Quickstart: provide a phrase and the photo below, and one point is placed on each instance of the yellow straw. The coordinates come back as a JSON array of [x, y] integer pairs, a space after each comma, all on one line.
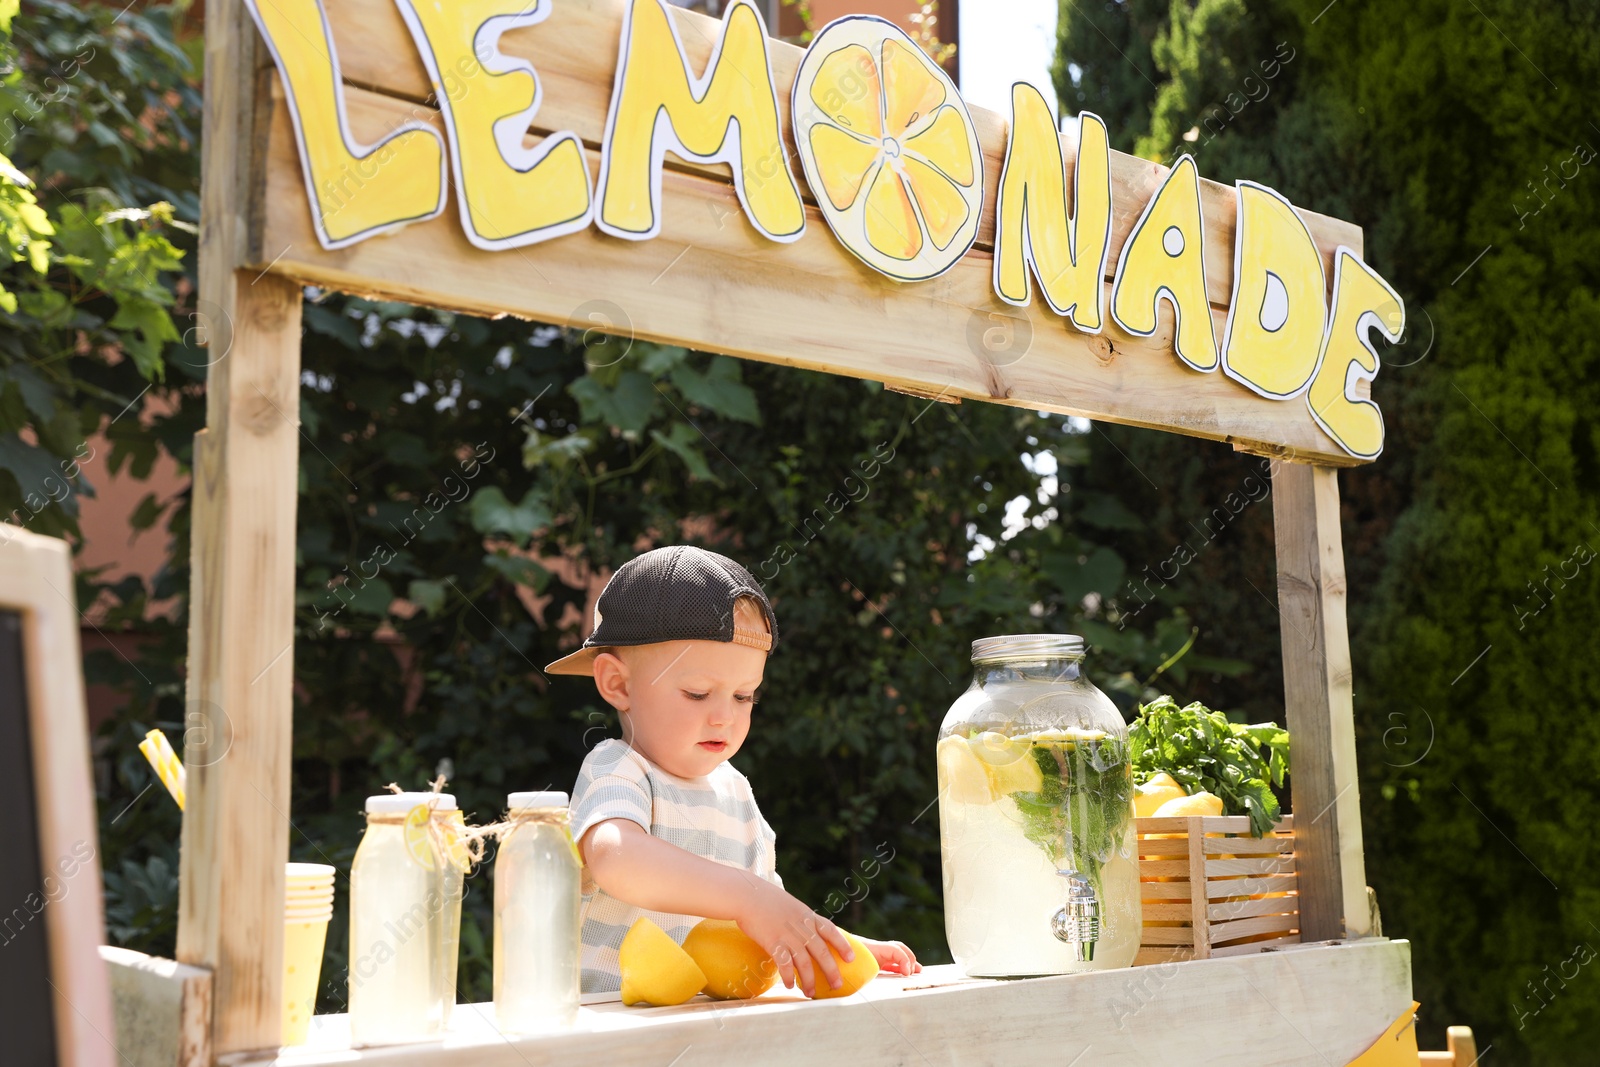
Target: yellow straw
[[165, 762]]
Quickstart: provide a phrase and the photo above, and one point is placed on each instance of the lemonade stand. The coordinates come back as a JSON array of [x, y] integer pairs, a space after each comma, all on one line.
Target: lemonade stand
[[629, 166]]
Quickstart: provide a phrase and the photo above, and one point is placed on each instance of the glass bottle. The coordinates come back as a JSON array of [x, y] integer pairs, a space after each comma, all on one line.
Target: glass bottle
[[537, 899], [1036, 816], [405, 918]]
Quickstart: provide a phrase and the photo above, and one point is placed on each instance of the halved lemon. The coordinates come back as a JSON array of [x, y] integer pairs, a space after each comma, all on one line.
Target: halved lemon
[[888, 148]]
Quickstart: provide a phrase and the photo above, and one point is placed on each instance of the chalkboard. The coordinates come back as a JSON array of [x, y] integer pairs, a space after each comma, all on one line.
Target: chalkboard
[[27, 1025]]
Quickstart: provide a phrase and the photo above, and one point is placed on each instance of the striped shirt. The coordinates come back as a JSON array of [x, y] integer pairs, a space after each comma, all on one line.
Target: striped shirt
[[714, 816]]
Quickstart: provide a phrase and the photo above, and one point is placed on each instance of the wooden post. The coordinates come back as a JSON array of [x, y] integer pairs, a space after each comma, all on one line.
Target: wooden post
[[241, 628], [1317, 703]]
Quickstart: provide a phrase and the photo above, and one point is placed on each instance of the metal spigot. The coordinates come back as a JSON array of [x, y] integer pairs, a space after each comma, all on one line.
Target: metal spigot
[[1078, 923]]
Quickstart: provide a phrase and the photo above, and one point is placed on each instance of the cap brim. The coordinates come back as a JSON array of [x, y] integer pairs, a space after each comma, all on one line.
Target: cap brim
[[580, 663]]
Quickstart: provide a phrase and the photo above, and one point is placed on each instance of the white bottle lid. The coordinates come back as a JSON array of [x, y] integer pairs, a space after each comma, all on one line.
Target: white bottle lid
[[542, 799], [400, 803]]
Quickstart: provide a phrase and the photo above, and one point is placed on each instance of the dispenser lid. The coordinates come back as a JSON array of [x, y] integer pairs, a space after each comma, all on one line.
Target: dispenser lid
[[540, 799], [400, 803]]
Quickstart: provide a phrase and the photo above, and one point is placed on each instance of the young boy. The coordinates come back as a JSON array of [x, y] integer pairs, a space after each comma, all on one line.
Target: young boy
[[666, 827]]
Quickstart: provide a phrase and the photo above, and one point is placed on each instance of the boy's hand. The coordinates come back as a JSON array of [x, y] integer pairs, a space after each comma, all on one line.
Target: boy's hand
[[796, 937], [893, 957]]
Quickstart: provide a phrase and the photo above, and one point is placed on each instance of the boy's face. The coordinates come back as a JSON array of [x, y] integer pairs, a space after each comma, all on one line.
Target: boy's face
[[686, 704]]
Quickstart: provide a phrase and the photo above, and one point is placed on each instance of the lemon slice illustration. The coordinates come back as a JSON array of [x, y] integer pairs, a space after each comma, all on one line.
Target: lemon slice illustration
[[888, 148], [420, 840]]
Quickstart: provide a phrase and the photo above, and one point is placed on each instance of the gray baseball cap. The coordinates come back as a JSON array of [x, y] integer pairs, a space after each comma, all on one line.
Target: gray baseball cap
[[677, 593]]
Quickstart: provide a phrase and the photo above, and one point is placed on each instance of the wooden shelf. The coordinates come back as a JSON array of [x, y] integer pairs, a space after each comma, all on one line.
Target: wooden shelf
[[1311, 1004]]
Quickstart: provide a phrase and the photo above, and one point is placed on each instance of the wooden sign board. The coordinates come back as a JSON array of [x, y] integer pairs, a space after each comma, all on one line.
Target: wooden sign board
[[55, 1006], [728, 264]]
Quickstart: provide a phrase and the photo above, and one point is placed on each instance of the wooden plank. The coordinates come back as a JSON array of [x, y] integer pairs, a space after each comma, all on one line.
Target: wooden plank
[[1157, 912], [1255, 948], [1179, 868], [575, 52], [1252, 865], [1308, 1008], [1164, 890], [1167, 935], [241, 663], [241, 636], [1156, 848], [1244, 887], [1241, 846], [1201, 932], [1150, 954], [1261, 924], [1241, 909], [1189, 825], [711, 282], [1317, 702], [36, 582], [163, 1009]]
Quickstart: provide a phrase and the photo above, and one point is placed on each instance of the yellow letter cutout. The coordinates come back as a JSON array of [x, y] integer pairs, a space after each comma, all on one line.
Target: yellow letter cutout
[[1279, 311], [1164, 259], [1361, 301], [1033, 229], [356, 191], [656, 106], [510, 194]]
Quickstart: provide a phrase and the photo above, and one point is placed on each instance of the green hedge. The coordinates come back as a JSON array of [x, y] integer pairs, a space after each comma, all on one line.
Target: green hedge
[[1431, 124]]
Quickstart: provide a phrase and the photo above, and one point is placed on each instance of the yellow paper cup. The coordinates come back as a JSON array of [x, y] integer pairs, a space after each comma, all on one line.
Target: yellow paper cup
[[308, 872], [315, 896], [303, 940]]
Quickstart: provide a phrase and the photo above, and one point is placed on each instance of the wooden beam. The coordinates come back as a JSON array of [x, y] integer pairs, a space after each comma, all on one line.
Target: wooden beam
[[163, 1009], [241, 631], [1301, 1007], [1317, 703]]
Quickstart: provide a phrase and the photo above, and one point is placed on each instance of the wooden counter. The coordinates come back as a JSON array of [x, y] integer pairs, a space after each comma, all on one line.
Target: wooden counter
[[1314, 1004]]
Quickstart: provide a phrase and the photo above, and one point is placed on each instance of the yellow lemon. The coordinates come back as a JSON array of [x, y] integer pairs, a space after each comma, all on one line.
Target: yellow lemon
[[888, 148], [1165, 781], [1009, 762], [1148, 798], [655, 970], [962, 779], [1019, 776], [1201, 803], [735, 966], [857, 973]]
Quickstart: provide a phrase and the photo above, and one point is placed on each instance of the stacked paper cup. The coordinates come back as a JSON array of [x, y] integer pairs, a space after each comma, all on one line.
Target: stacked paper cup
[[308, 905]]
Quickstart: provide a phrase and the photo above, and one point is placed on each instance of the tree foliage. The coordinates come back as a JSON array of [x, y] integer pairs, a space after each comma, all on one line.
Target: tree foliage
[[1458, 137]]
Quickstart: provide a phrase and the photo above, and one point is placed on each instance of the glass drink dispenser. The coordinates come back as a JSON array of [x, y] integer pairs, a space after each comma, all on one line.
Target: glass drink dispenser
[[1036, 815]]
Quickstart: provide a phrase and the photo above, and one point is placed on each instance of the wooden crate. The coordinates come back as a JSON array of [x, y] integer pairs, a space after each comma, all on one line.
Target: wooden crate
[[1251, 898]]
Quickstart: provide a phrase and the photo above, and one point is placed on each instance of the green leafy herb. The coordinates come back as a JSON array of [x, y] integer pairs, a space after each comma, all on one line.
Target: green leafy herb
[[1082, 807], [1203, 750]]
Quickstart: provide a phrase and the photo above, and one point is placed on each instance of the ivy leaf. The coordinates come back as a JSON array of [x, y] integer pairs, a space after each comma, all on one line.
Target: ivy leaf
[[31, 467], [518, 570], [145, 515], [626, 406], [372, 596], [153, 326], [719, 389], [681, 442], [1106, 512], [493, 514], [1100, 571], [427, 594]]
